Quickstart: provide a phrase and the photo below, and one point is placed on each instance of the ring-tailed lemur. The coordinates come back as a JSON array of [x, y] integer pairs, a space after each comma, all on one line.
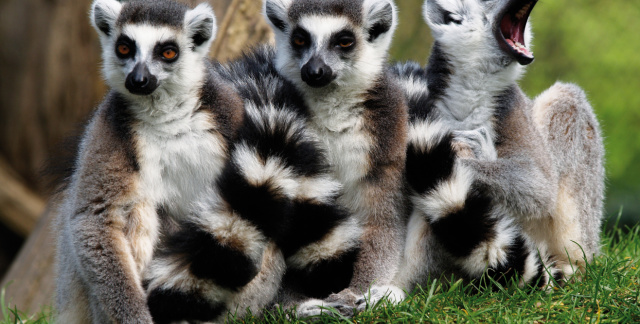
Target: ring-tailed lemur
[[156, 142], [492, 171], [277, 181], [334, 52]]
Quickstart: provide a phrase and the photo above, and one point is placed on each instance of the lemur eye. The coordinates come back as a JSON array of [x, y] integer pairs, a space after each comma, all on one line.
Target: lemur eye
[[450, 17], [169, 54], [123, 49], [346, 43], [299, 41]]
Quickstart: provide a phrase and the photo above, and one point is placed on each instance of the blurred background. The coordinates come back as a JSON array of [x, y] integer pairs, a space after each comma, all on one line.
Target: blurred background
[[50, 81]]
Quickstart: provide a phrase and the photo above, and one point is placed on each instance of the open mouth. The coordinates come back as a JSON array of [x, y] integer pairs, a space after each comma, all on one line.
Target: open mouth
[[512, 28]]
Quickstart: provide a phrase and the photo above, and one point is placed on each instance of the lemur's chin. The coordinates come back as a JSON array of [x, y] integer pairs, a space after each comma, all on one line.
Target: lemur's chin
[[511, 30]]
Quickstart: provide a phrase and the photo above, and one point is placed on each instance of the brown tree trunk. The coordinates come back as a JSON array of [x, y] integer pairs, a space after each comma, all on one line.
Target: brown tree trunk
[[50, 81], [21, 208]]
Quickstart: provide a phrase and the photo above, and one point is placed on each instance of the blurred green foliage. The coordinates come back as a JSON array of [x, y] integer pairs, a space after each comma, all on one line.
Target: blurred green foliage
[[592, 43]]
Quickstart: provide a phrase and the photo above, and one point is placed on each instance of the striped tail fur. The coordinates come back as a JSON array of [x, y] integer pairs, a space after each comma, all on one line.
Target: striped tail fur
[[480, 235]]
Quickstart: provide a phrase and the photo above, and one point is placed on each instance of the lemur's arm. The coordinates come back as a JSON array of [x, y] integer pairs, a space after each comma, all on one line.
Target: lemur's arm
[[383, 230], [113, 230], [522, 176]]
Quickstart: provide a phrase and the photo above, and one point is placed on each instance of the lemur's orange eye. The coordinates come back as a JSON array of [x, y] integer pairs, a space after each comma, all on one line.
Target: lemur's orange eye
[[169, 54], [299, 41], [346, 43], [124, 49]]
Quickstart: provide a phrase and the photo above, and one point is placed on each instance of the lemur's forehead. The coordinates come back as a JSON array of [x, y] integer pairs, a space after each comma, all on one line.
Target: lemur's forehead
[[152, 12], [351, 9], [148, 36], [322, 27]]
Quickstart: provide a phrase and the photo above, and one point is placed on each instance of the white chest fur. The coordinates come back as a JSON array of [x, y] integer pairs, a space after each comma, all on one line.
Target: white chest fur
[[347, 143], [465, 108], [176, 166]]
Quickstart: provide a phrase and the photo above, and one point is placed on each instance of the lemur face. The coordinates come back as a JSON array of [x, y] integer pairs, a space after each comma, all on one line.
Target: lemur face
[[494, 29], [331, 42], [152, 48]]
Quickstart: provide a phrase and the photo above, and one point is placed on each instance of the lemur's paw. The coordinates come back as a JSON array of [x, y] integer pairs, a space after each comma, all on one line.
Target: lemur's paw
[[376, 294], [316, 307], [475, 143]]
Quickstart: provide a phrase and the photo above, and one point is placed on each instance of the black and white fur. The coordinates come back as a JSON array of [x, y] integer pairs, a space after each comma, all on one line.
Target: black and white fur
[[509, 173], [158, 140], [274, 210], [334, 53]]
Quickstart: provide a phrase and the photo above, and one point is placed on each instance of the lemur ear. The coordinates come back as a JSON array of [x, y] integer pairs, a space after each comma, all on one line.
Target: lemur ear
[[380, 17], [275, 11], [200, 24], [104, 14]]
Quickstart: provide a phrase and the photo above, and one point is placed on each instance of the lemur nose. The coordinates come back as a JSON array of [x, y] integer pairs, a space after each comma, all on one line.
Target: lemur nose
[[140, 81], [316, 73]]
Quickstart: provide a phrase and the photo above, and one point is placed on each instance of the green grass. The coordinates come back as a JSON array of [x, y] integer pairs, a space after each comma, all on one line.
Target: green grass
[[11, 315], [609, 293]]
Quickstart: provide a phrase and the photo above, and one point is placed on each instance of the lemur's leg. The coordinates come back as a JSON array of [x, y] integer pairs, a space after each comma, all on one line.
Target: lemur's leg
[[104, 251], [568, 124], [72, 296], [478, 233]]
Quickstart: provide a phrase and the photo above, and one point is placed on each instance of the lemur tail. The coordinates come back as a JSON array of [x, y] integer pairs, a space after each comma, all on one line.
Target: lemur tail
[[320, 239], [281, 169], [274, 189], [481, 236]]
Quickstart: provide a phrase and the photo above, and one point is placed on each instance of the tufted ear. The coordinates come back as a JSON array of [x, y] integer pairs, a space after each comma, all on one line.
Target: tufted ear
[[200, 24], [275, 11], [380, 17], [104, 14]]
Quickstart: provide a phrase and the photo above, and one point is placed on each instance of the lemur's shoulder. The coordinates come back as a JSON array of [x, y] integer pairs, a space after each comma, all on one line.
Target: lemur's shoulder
[[219, 98], [107, 158], [110, 133]]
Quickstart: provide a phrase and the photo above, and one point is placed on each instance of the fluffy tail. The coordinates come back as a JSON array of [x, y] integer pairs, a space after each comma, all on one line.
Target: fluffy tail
[[274, 190], [479, 234], [317, 236]]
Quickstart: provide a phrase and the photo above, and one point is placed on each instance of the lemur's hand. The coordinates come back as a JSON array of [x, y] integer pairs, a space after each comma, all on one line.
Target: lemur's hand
[[475, 144]]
